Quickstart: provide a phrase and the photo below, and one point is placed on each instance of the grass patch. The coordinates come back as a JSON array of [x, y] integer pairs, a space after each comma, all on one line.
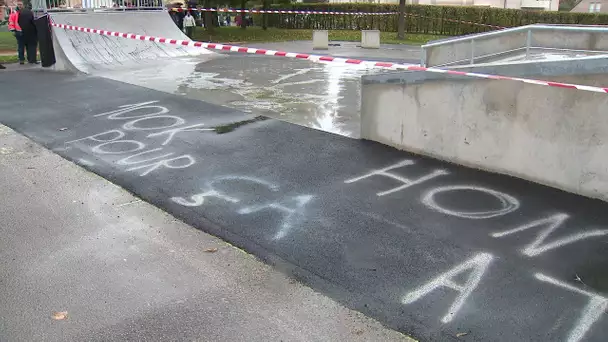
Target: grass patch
[[251, 35], [9, 59], [7, 42], [256, 34], [232, 126]]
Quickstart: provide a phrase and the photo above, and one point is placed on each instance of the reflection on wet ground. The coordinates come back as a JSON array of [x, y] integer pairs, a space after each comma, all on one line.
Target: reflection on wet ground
[[317, 95], [539, 54]]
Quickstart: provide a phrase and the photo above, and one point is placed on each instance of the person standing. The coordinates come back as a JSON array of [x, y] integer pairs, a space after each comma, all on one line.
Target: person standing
[[189, 24], [15, 28], [30, 35], [180, 17]]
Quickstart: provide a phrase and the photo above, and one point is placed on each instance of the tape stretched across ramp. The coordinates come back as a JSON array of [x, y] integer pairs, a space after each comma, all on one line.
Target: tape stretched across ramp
[[85, 52]]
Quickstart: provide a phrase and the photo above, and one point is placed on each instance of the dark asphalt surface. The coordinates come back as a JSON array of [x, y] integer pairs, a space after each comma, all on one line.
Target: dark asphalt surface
[[286, 194]]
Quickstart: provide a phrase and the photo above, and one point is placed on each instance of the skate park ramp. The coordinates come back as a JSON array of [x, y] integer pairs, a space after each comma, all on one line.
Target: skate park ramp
[[88, 53]]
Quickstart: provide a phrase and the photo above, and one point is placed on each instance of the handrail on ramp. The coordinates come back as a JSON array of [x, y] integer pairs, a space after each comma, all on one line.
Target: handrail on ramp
[[481, 46]]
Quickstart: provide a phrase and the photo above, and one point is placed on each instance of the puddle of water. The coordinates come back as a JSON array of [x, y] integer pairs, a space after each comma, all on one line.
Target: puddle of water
[[321, 96]]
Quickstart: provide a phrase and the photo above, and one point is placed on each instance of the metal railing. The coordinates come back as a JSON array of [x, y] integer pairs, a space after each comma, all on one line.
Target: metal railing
[[483, 46], [85, 5]]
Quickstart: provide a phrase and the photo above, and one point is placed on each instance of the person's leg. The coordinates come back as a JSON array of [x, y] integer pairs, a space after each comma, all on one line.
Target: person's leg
[[32, 49], [189, 31], [20, 46]]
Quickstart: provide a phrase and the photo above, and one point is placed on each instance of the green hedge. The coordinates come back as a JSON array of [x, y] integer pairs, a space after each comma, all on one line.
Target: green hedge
[[435, 23]]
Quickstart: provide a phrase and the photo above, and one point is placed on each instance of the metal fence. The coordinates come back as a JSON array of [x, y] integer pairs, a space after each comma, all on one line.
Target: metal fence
[[62, 5]]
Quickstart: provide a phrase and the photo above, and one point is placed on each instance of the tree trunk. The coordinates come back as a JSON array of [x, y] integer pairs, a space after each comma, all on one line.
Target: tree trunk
[[401, 28], [208, 18], [243, 22], [265, 15]]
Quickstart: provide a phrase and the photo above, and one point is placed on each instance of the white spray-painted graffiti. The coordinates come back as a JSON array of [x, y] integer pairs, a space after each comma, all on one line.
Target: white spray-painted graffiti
[[248, 196], [147, 117], [406, 182], [292, 208], [595, 309], [552, 222], [477, 265], [507, 203]]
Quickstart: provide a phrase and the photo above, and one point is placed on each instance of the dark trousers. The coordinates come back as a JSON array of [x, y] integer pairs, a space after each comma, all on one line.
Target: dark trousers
[[189, 31], [31, 46], [26, 42], [20, 45]]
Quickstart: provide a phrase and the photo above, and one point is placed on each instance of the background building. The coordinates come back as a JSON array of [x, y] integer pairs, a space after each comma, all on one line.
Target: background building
[[592, 6]]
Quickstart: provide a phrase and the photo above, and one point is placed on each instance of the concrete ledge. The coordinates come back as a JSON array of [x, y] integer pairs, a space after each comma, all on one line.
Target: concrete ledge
[[552, 136], [370, 39], [486, 46], [320, 40]]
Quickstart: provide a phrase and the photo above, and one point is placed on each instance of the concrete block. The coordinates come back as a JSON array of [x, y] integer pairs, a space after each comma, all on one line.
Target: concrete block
[[370, 39], [320, 39], [547, 135]]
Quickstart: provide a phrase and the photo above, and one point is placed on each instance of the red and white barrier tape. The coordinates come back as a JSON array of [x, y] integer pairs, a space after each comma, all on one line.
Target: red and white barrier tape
[[457, 21], [256, 11], [325, 59]]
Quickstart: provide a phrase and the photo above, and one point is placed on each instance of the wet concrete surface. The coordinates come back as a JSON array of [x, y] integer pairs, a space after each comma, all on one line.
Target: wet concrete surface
[[398, 53], [317, 95], [438, 251], [539, 54]]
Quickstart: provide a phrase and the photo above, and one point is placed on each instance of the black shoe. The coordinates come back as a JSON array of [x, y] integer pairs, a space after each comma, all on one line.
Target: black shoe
[[2, 67], [36, 62], [21, 62]]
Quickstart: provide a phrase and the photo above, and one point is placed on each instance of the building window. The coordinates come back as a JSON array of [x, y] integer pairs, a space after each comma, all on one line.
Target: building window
[[595, 7]]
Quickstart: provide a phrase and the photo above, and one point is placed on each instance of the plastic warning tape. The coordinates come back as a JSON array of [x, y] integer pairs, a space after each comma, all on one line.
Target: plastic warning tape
[[457, 21], [256, 11], [325, 59]]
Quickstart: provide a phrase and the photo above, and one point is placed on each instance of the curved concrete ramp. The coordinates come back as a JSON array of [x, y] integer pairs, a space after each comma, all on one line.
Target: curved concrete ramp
[[86, 52]]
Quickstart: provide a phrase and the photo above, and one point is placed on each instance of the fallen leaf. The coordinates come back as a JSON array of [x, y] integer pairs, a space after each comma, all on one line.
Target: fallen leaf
[[359, 332], [61, 315], [211, 250], [63, 129], [461, 334]]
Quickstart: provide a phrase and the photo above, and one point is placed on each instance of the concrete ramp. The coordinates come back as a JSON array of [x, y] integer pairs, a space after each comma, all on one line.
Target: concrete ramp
[[86, 52]]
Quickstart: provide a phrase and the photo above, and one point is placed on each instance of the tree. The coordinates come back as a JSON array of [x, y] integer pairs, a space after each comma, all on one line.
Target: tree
[[208, 16], [265, 15], [243, 22], [401, 28]]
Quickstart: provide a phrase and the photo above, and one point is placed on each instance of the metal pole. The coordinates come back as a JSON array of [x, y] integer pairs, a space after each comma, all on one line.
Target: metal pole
[[423, 57], [528, 43], [472, 51]]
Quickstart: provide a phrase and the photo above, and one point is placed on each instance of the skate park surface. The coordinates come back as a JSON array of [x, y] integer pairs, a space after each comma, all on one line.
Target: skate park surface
[[431, 249]]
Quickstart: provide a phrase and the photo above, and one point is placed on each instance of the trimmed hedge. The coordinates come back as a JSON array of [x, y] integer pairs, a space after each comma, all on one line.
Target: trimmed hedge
[[436, 21]]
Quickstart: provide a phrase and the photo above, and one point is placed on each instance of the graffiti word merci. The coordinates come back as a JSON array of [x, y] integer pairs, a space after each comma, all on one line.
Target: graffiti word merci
[[145, 117], [291, 208]]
